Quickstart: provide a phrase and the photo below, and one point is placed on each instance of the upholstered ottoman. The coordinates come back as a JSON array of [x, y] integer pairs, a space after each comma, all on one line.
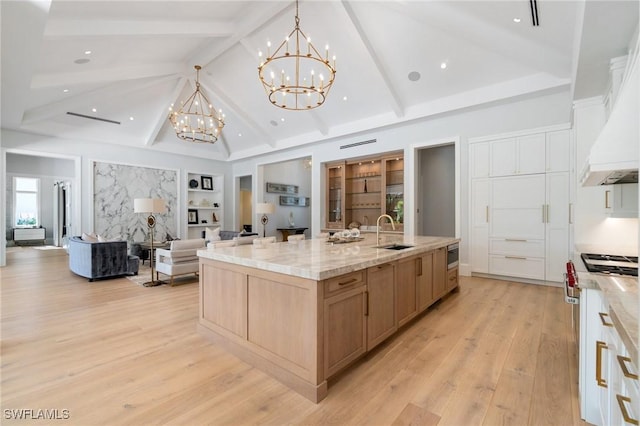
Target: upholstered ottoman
[[133, 263]]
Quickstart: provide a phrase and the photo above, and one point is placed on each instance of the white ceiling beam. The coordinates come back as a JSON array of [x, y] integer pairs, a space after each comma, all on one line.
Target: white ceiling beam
[[258, 17], [320, 124], [107, 75], [22, 26], [50, 110], [237, 110], [224, 148], [163, 113], [61, 28], [396, 104]]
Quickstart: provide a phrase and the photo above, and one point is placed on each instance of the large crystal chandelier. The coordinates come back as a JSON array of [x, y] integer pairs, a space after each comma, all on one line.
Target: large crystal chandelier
[[296, 76], [197, 120]]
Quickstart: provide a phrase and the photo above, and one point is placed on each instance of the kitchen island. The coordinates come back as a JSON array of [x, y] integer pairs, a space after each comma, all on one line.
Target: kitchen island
[[303, 311]]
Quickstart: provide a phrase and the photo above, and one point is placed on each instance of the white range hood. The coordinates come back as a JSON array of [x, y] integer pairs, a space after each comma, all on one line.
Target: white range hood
[[614, 155]]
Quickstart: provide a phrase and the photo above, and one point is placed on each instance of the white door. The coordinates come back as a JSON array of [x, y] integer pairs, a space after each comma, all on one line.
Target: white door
[[479, 159], [557, 151], [517, 206], [502, 157], [531, 154]]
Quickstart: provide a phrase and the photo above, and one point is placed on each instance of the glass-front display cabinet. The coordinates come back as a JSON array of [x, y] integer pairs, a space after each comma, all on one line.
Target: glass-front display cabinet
[[394, 189], [335, 195], [359, 190]]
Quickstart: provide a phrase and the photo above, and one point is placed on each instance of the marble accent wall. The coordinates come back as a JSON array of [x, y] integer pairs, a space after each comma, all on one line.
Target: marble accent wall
[[115, 186]]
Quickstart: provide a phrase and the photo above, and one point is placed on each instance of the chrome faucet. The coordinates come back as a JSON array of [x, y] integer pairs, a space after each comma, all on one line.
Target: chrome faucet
[[378, 226]]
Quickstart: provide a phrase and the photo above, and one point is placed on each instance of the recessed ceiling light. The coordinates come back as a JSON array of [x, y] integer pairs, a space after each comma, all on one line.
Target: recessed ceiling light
[[516, 20], [81, 61], [414, 76], [66, 90], [240, 134], [94, 110], [130, 118], [443, 65], [282, 119], [344, 98], [87, 52]]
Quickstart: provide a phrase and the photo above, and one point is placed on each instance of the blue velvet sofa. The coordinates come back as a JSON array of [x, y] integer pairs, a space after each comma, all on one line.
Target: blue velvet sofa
[[95, 260]]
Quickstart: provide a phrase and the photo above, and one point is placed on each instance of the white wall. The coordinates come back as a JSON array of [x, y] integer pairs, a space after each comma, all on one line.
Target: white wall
[[503, 117], [86, 152]]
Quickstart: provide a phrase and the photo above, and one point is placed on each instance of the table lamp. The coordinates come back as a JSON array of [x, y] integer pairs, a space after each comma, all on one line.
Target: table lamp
[[150, 206], [264, 209]]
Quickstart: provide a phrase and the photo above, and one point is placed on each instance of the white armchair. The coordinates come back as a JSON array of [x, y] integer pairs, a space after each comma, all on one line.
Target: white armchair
[[180, 259]]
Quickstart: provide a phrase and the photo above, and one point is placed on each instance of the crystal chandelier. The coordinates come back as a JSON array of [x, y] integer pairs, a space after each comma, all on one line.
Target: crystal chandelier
[[296, 76], [197, 120]]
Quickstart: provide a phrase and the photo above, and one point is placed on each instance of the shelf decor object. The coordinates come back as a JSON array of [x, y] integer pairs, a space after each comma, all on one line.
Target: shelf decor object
[[282, 188], [197, 120], [264, 209], [296, 76], [150, 206]]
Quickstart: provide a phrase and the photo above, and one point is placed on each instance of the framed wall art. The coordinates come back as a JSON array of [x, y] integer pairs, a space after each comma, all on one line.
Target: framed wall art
[[282, 188], [286, 200], [192, 217], [207, 183]]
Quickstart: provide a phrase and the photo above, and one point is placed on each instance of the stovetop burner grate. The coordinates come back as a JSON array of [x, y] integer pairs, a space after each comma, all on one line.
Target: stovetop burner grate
[[611, 264]]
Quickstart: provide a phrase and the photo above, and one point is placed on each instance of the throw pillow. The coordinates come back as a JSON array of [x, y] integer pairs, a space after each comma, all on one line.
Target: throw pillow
[[91, 238], [102, 239], [212, 234]]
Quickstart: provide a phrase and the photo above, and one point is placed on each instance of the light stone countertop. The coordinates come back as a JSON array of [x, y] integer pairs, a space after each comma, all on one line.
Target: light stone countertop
[[317, 259], [622, 295]]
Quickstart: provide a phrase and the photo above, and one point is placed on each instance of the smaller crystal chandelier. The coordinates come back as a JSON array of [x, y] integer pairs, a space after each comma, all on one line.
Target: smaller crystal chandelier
[[197, 120], [298, 78]]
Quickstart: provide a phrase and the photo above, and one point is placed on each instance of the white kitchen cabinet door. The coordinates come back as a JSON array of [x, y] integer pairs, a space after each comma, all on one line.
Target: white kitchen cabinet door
[[503, 157], [557, 225], [531, 154], [590, 334], [479, 159], [557, 151], [480, 225], [517, 207]]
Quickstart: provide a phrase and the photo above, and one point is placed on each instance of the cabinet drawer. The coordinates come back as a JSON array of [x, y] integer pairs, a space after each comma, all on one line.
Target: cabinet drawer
[[517, 247], [452, 278], [517, 266], [343, 282]]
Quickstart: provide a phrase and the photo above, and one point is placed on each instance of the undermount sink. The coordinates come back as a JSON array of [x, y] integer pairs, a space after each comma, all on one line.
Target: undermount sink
[[394, 247]]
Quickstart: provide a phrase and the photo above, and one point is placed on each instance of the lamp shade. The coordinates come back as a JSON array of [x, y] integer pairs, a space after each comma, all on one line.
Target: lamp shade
[[149, 205], [265, 208]]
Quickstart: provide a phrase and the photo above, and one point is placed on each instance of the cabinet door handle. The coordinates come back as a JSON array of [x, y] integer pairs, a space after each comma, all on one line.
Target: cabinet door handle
[[516, 257], [623, 409], [351, 281], [603, 320], [570, 213], [366, 303], [515, 240], [543, 214], [487, 214], [606, 199], [599, 347], [623, 360], [548, 220]]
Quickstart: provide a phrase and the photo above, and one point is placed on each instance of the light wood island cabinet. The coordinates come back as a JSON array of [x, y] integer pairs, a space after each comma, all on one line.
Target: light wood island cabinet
[[302, 327]]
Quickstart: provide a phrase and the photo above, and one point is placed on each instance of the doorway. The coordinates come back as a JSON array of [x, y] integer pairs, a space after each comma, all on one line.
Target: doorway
[[245, 206], [437, 191]]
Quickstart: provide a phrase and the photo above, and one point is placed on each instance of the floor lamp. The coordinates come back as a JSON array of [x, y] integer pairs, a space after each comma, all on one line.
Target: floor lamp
[[264, 209], [150, 206]]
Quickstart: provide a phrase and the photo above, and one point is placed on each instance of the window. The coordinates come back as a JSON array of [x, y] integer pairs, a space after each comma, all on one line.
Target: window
[[26, 197]]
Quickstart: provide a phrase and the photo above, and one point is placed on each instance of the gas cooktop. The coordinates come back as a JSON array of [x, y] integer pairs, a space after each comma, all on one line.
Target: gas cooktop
[[611, 264]]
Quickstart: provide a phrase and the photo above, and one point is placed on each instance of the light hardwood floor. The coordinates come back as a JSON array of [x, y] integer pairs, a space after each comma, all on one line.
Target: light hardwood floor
[[112, 352]]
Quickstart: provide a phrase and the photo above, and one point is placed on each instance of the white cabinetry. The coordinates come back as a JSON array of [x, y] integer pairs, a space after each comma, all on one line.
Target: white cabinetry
[[520, 222], [519, 155], [621, 200], [608, 379], [205, 195]]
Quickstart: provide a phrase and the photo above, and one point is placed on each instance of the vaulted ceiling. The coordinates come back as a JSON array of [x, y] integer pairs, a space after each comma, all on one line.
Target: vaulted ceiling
[[143, 54]]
